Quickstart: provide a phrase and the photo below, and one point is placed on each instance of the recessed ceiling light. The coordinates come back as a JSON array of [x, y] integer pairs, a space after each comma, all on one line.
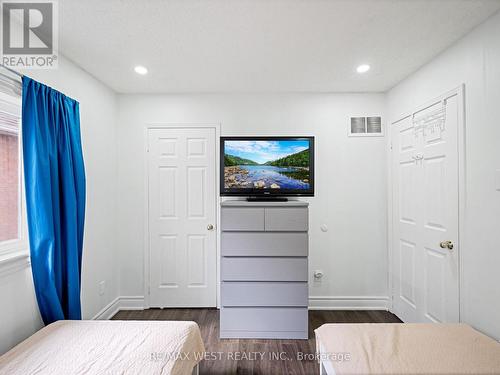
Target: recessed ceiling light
[[363, 68], [142, 70]]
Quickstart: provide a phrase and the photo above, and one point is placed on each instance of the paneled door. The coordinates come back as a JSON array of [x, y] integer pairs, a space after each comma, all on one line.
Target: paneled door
[[425, 256], [182, 217]]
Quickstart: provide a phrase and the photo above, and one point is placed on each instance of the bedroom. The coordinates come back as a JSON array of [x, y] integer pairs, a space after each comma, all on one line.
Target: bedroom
[[148, 71]]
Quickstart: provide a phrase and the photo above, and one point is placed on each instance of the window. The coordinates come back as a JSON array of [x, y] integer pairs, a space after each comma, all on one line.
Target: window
[[12, 218], [9, 183]]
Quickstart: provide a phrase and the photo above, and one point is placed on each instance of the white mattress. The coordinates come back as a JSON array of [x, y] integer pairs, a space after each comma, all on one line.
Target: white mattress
[[107, 347], [421, 349]]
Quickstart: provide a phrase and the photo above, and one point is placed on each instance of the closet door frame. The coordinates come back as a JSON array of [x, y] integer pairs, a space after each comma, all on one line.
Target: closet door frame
[[459, 92]]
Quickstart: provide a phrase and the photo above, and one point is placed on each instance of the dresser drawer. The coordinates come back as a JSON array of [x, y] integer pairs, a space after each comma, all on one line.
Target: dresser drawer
[[264, 269], [242, 219], [287, 219], [258, 294], [264, 244], [263, 322]]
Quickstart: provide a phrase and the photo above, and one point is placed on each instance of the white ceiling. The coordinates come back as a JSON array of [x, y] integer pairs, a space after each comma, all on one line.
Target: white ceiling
[[261, 45]]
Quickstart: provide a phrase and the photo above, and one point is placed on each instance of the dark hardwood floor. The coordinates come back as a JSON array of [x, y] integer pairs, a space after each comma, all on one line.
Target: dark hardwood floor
[[280, 356]]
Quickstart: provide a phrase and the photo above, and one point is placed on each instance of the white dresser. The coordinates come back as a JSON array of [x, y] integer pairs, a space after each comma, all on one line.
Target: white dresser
[[264, 270]]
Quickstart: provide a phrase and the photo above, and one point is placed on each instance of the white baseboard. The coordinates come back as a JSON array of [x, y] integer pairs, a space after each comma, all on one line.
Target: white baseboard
[[348, 303], [120, 303], [315, 303], [132, 303]]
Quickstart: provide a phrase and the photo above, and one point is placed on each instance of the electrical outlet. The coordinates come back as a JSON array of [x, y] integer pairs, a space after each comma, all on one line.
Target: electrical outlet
[[102, 287]]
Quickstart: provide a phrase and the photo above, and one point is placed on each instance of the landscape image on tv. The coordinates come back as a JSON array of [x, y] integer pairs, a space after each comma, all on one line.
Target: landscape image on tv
[[280, 164]]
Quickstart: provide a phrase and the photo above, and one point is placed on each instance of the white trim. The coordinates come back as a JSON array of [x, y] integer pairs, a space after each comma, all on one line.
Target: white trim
[[132, 303], [366, 135], [108, 311], [14, 262], [120, 303], [315, 303], [389, 218], [147, 127], [8, 130], [348, 303], [460, 93], [461, 195], [145, 250], [17, 245]]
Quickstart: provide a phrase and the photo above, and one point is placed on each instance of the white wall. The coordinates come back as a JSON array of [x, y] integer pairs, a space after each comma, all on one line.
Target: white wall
[[350, 185], [19, 315], [351, 181], [475, 61]]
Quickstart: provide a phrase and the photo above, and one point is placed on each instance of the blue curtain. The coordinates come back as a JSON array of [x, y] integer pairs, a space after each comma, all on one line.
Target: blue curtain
[[55, 198]]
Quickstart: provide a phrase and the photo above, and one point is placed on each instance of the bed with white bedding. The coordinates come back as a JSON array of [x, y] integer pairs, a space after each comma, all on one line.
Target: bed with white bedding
[[108, 347], [405, 349]]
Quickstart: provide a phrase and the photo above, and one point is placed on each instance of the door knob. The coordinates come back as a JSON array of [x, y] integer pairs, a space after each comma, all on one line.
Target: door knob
[[446, 245], [210, 227]]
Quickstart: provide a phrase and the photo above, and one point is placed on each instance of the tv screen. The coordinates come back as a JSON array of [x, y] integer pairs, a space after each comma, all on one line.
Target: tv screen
[[267, 166]]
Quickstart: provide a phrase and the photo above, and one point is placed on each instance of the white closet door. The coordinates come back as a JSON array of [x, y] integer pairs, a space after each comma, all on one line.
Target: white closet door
[[439, 169], [425, 203], [182, 217]]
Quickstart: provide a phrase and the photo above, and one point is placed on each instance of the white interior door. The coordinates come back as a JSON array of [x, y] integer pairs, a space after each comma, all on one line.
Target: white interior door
[[425, 214], [182, 217]]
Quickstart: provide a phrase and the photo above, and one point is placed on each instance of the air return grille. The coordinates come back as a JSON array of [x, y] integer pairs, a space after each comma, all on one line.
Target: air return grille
[[358, 125], [366, 126]]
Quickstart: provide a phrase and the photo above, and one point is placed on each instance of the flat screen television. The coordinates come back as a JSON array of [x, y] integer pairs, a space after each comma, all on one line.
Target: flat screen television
[[267, 166]]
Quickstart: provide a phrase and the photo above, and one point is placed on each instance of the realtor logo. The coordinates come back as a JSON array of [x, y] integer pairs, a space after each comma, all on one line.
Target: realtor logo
[[29, 34]]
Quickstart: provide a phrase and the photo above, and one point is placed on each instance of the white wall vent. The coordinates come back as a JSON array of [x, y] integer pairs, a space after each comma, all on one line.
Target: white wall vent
[[370, 126]]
